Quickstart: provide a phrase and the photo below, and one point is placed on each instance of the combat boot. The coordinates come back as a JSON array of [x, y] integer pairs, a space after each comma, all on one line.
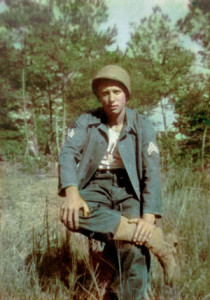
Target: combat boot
[[163, 250]]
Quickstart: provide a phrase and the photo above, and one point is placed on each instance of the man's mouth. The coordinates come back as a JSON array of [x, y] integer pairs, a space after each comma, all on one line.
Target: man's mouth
[[113, 106]]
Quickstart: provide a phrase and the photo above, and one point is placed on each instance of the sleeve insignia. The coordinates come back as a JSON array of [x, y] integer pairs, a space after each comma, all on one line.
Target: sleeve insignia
[[152, 148], [71, 133]]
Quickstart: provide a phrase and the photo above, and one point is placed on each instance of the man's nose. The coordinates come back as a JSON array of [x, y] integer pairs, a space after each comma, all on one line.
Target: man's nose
[[111, 97]]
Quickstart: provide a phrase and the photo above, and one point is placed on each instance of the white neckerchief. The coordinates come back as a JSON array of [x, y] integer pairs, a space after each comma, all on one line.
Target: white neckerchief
[[112, 158]]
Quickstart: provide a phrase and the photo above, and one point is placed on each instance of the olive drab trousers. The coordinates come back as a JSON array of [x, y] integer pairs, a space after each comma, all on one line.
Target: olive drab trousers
[[109, 195]]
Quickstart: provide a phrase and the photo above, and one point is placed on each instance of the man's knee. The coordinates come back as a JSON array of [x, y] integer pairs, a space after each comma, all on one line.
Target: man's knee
[[101, 223]]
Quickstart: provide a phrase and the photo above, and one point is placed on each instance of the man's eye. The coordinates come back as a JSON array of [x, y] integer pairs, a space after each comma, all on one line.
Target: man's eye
[[105, 94]]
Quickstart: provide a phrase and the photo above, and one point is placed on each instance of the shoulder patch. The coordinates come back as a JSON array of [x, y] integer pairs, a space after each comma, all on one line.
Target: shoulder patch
[[71, 133], [152, 148]]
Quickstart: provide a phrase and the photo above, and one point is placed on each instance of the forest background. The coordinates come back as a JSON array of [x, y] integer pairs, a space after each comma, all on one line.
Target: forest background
[[49, 51]]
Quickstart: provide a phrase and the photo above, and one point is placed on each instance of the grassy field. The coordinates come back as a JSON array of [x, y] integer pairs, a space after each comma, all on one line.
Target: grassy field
[[40, 260]]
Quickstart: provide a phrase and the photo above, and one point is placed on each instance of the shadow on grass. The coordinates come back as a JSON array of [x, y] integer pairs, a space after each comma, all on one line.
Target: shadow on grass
[[58, 264]]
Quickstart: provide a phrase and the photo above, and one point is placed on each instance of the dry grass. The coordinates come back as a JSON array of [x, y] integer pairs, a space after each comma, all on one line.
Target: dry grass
[[40, 260]]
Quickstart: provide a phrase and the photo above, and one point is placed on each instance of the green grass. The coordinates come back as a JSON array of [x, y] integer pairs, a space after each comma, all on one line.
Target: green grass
[[39, 259]]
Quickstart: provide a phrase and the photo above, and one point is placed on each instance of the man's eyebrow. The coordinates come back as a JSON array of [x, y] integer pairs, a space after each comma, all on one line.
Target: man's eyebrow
[[113, 89]]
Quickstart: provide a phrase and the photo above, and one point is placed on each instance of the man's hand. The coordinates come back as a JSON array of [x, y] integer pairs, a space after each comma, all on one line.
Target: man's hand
[[72, 204], [144, 229]]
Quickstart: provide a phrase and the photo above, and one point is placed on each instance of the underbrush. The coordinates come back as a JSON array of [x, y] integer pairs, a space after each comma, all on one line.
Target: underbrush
[[39, 259]]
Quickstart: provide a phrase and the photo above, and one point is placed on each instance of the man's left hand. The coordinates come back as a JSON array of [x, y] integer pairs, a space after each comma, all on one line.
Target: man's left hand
[[144, 229]]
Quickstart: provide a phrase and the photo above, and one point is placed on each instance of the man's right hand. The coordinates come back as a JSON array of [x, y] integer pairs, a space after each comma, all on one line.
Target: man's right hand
[[71, 206]]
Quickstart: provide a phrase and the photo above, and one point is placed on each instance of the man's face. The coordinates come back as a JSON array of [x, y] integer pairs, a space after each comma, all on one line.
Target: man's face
[[112, 97]]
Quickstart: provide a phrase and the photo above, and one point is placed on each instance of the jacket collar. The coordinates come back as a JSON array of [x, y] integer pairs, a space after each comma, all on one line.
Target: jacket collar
[[99, 119], [130, 119]]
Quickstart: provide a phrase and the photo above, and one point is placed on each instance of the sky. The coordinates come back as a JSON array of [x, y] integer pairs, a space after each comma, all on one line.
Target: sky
[[124, 12]]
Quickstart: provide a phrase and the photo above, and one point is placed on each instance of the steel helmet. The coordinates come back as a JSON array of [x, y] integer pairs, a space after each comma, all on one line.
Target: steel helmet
[[112, 72]]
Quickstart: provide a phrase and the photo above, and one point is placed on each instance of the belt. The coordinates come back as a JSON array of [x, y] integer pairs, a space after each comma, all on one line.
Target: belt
[[112, 171]]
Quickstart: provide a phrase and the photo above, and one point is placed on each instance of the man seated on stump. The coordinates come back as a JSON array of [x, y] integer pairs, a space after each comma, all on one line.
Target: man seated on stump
[[110, 177]]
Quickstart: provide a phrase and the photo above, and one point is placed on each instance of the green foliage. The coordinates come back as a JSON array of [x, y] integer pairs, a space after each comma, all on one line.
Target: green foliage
[[158, 61], [196, 25], [169, 151], [193, 118], [11, 145], [201, 4], [50, 48], [192, 102]]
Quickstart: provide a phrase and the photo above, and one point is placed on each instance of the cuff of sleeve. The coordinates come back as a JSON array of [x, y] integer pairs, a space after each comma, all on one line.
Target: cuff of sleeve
[[158, 214], [62, 189]]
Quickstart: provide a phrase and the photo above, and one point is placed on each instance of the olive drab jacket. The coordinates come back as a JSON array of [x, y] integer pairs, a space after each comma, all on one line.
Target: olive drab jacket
[[87, 142]]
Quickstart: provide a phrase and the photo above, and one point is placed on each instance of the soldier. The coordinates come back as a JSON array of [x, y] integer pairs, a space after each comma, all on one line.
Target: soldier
[[110, 177]]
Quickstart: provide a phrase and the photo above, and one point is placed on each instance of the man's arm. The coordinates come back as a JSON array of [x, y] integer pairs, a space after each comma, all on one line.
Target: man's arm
[[71, 153], [69, 158], [151, 186]]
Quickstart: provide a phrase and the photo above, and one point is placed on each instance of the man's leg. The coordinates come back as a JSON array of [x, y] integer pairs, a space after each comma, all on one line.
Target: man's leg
[[105, 214], [132, 279], [130, 266], [101, 224]]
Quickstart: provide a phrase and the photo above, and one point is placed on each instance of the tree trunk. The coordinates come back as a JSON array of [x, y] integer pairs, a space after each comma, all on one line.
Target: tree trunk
[[203, 147], [51, 4], [64, 119], [34, 130], [29, 124], [25, 112], [50, 112], [164, 117], [57, 133]]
